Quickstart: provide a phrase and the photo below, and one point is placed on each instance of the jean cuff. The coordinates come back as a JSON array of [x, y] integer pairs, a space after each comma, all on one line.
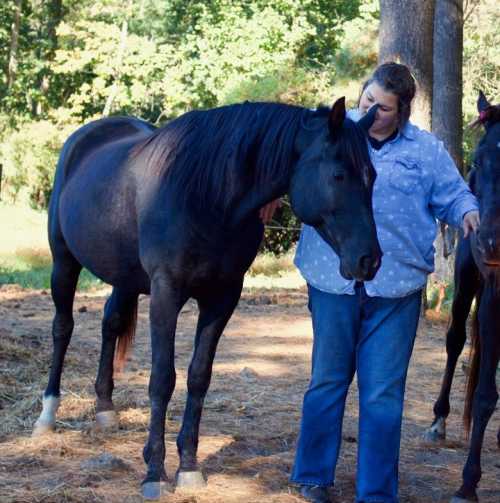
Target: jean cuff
[[310, 482]]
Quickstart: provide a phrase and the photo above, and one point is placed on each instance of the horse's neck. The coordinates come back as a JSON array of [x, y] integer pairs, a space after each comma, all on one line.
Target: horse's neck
[[255, 197]]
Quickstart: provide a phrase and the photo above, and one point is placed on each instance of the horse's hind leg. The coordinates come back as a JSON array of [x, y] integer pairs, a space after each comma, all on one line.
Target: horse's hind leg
[[64, 279], [466, 286], [120, 314], [214, 315]]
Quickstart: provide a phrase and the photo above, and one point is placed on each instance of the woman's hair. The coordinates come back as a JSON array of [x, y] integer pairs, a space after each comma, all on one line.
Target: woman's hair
[[397, 79]]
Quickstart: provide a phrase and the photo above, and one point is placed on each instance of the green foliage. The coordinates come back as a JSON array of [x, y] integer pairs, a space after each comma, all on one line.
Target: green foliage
[[159, 58], [481, 68], [282, 232], [29, 156]]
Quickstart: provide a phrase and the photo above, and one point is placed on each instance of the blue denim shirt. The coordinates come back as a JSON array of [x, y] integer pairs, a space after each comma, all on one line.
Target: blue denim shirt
[[417, 182]]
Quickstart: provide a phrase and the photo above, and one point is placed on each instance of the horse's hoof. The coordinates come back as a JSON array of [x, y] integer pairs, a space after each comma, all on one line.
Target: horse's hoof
[[190, 480], [42, 428], [107, 420], [154, 490], [433, 436], [457, 499], [437, 431]]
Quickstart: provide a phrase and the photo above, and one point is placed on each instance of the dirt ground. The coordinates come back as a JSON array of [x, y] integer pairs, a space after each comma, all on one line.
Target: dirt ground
[[250, 420]]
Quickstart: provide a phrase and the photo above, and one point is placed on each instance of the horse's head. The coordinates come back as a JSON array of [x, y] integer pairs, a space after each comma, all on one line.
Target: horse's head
[[485, 181], [331, 188]]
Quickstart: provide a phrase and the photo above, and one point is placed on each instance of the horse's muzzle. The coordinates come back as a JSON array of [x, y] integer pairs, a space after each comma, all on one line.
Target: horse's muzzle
[[365, 269]]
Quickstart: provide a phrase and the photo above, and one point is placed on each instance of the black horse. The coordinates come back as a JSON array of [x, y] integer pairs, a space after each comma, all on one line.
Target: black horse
[[174, 213], [477, 275]]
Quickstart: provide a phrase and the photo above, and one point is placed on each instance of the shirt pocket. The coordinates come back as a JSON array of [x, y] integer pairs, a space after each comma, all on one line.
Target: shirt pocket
[[405, 175]]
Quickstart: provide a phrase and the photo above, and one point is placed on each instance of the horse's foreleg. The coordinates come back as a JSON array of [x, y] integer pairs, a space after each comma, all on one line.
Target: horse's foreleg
[[485, 395], [64, 279], [166, 302], [119, 319], [466, 286], [214, 315]]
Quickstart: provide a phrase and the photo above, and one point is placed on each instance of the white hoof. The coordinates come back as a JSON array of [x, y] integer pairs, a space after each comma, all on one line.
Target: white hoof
[[41, 428], [46, 423], [190, 480], [437, 432], [107, 420], [153, 490]]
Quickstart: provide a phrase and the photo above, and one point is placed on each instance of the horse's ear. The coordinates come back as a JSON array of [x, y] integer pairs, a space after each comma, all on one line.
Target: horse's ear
[[482, 102], [368, 119], [336, 117]]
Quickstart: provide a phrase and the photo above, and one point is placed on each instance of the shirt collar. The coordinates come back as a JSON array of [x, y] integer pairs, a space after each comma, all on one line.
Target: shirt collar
[[409, 131]]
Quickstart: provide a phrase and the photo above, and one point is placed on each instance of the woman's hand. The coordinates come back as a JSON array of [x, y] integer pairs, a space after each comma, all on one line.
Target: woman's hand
[[266, 212], [470, 222]]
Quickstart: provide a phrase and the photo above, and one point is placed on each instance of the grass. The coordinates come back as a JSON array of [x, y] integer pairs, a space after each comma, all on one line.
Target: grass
[[270, 265], [25, 258], [21, 270]]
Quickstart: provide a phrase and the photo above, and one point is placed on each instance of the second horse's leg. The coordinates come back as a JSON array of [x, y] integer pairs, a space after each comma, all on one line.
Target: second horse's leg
[[485, 394], [215, 312], [466, 285], [120, 314]]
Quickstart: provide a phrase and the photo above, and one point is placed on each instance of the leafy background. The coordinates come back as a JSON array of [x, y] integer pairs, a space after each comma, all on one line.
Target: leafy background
[[156, 59]]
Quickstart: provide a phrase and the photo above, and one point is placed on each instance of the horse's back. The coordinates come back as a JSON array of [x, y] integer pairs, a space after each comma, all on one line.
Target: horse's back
[[92, 207]]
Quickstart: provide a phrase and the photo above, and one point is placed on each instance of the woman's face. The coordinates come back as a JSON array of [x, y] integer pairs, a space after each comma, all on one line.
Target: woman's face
[[387, 118]]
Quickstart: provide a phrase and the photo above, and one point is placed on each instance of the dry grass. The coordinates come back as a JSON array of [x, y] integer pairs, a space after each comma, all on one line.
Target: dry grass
[[250, 421]]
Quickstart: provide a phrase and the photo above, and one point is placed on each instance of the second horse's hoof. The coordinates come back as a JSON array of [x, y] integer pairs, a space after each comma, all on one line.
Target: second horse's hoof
[[437, 432], [190, 480], [154, 490], [433, 436]]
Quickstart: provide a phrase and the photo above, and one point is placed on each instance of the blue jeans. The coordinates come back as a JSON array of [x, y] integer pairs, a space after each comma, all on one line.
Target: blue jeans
[[374, 337]]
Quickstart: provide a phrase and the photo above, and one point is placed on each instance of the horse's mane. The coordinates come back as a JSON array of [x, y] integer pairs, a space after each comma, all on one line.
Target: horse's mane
[[212, 155]]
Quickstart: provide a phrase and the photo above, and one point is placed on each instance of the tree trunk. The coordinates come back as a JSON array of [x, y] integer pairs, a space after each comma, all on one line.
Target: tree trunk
[[14, 43], [447, 111], [406, 35], [447, 96]]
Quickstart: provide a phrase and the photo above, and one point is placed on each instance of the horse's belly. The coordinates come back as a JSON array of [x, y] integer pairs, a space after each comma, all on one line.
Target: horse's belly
[[99, 228]]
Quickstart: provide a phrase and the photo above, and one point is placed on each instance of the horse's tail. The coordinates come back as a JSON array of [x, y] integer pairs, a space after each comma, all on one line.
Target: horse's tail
[[474, 363], [126, 339]]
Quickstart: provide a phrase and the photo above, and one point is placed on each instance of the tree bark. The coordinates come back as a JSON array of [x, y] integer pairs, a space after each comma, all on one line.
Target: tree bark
[[447, 111], [14, 44], [406, 36], [447, 95]]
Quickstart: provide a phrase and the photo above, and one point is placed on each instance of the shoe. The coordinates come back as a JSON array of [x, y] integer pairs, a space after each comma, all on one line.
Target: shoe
[[315, 494]]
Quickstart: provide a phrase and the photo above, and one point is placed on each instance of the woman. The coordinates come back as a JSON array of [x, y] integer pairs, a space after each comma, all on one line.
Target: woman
[[370, 328]]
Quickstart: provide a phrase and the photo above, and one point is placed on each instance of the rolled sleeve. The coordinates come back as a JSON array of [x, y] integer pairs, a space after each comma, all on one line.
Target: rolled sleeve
[[450, 197]]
